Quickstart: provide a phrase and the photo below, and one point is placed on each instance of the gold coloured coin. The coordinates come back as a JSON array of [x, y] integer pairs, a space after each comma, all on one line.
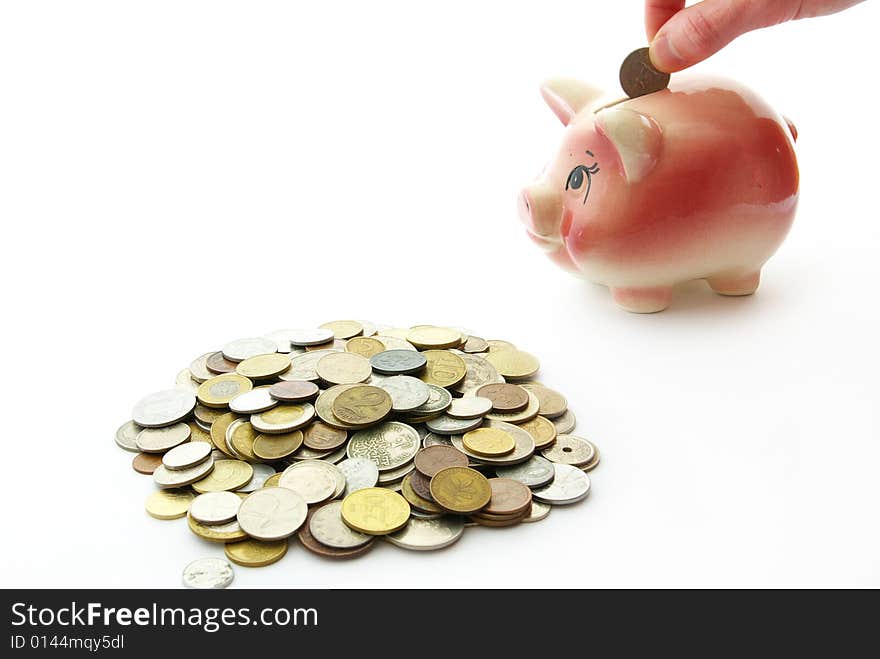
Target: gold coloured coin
[[263, 367], [218, 432], [552, 403], [461, 489], [527, 414], [344, 368], [513, 364], [272, 481], [542, 431], [429, 337], [256, 553], [364, 346], [229, 532], [416, 501], [375, 511], [240, 436], [228, 475], [491, 442], [169, 504], [196, 434], [496, 345], [344, 329], [444, 368], [219, 390], [362, 405], [283, 419], [275, 447]]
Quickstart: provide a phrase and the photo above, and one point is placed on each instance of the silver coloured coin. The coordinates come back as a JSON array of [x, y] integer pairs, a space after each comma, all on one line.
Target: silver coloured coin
[[335, 457], [369, 328], [407, 393], [539, 511], [208, 573], [159, 440], [204, 426], [475, 344], [198, 369], [215, 507], [184, 382], [436, 440], [395, 475], [126, 436], [261, 473], [421, 534], [570, 450], [359, 473], [282, 340], [439, 401], [446, 425], [390, 445], [314, 480], [241, 349], [166, 478], [524, 449], [327, 527], [163, 408], [252, 402], [302, 367], [187, 455], [569, 485], [272, 513], [473, 407], [306, 453], [398, 362], [270, 428], [479, 372], [418, 513], [396, 486], [565, 423], [310, 337], [395, 343], [534, 472]]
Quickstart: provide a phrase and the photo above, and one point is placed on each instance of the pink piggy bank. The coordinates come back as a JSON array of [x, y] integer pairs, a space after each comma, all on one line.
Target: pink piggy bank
[[698, 181]]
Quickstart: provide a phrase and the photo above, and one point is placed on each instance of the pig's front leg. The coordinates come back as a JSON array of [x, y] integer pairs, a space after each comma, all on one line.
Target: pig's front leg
[[643, 300]]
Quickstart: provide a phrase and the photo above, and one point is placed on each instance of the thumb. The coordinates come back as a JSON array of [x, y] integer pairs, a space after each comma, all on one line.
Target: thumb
[[703, 29]]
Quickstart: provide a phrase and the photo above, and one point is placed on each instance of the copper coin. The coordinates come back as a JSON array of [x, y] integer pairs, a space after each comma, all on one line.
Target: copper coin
[[294, 391], [509, 497], [217, 363], [435, 458], [638, 75], [146, 463], [421, 485], [505, 397], [308, 540], [321, 437]]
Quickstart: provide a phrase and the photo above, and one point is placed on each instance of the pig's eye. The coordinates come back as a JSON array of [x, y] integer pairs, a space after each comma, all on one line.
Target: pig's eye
[[578, 175]]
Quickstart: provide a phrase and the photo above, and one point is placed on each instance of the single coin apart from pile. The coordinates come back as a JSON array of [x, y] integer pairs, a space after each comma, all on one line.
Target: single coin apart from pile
[[349, 431]]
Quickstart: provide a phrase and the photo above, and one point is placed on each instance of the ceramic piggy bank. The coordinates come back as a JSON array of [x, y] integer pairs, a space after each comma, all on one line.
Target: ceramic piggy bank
[[698, 181]]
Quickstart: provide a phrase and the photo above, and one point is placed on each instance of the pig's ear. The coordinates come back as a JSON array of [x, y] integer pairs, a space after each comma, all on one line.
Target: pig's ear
[[566, 97], [637, 138]]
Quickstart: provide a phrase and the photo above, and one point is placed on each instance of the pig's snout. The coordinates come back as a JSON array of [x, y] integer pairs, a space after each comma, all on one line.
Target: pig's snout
[[540, 209]]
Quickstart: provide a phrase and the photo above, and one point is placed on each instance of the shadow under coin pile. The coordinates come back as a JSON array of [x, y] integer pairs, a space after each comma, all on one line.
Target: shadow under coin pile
[[351, 432]]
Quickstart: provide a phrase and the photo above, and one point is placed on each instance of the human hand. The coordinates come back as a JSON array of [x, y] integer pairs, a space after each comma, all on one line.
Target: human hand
[[680, 37]]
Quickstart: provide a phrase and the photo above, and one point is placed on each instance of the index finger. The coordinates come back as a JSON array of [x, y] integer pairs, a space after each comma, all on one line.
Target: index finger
[[657, 12]]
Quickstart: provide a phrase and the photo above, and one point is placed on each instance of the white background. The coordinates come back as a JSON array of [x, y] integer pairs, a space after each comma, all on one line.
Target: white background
[[174, 175]]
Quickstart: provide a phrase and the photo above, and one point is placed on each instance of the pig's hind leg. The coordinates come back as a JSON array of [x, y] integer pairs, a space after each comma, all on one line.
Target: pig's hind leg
[[643, 300], [739, 283]]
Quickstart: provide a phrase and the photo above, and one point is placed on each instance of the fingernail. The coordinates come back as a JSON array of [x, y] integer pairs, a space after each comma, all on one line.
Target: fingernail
[[664, 54]]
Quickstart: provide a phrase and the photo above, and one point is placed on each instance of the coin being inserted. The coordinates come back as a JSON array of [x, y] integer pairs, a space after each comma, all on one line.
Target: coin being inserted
[[639, 76]]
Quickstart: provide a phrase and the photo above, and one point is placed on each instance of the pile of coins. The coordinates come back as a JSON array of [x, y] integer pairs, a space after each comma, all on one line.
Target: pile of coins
[[350, 432]]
